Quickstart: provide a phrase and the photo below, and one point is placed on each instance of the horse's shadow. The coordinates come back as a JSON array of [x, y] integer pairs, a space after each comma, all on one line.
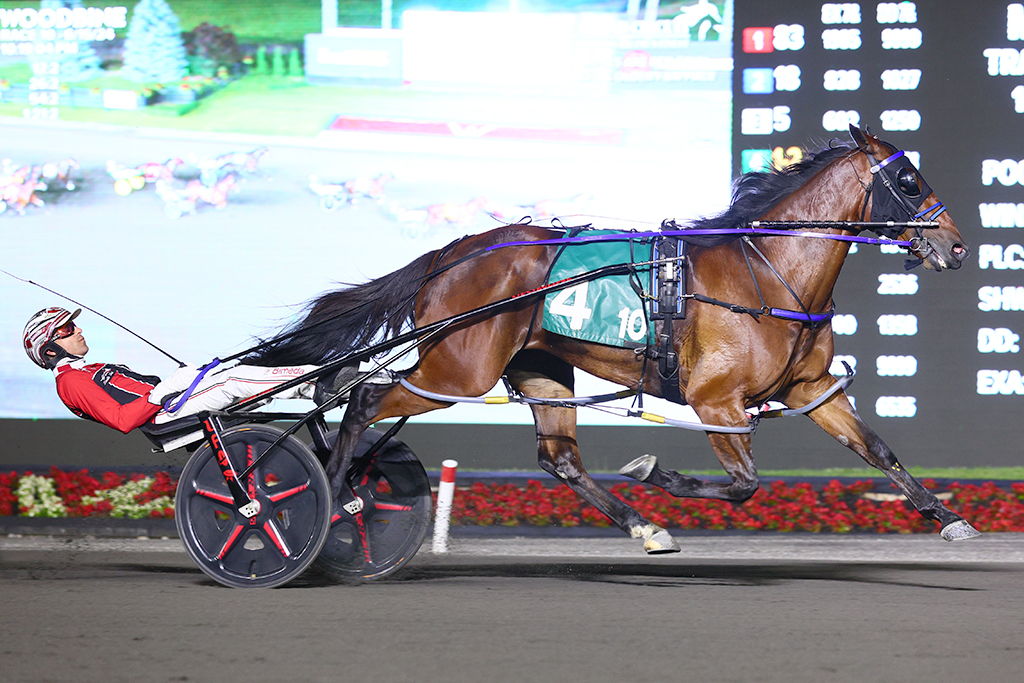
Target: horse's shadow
[[679, 575], [683, 575]]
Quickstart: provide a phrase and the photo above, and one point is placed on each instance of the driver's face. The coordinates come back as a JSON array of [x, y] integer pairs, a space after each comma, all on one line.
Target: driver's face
[[75, 344]]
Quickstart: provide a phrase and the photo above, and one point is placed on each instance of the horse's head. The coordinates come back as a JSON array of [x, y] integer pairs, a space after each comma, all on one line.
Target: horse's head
[[900, 193]]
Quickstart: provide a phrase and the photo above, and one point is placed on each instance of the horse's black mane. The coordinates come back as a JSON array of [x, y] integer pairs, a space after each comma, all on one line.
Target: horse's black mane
[[753, 194]]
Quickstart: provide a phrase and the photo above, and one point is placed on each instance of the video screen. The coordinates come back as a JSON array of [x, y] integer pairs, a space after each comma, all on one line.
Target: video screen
[[196, 170]]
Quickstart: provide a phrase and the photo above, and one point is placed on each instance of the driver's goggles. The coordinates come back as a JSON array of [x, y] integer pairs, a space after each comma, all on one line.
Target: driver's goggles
[[65, 330]]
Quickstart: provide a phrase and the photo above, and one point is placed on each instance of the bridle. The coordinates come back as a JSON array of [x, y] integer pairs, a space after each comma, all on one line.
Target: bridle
[[905, 190]]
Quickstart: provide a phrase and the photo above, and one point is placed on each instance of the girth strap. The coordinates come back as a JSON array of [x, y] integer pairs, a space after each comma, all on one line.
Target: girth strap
[[669, 305]]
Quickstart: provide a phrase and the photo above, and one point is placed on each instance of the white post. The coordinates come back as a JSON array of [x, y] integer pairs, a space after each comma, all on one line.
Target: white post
[[328, 15], [445, 495], [385, 14], [651, 10]]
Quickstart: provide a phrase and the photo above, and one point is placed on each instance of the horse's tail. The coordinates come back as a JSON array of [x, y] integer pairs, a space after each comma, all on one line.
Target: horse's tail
[[349, 319]]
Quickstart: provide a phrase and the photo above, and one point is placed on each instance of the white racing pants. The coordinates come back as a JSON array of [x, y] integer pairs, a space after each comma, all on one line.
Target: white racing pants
[[219, 389]]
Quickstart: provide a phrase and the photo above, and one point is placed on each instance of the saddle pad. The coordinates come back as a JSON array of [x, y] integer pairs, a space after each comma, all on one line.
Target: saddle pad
[[606, 310]]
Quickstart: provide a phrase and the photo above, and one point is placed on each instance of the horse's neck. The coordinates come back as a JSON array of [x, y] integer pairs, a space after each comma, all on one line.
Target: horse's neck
[[811, 266]]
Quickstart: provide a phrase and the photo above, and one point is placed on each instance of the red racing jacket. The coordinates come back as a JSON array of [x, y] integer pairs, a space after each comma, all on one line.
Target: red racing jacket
[[109, 394]]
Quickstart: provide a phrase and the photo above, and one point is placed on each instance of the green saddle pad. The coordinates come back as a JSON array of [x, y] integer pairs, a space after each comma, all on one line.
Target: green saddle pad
[[606, 310]]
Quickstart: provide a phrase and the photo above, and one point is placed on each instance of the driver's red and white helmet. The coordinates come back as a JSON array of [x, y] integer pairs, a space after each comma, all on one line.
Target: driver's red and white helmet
[[40, 332]]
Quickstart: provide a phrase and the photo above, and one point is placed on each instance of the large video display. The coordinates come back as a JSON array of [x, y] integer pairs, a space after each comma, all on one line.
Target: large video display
[[198, 184], [196, 171]]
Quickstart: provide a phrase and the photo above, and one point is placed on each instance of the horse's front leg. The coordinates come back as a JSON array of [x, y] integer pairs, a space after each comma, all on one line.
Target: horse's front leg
[[837, 417]]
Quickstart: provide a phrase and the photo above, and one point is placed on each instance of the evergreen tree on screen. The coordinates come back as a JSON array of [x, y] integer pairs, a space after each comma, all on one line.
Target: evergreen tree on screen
[[80, 65], [154, 49], [295, 63]]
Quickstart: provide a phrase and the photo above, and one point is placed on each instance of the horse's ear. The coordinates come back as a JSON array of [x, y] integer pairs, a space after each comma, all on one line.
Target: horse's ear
[[858, 136]]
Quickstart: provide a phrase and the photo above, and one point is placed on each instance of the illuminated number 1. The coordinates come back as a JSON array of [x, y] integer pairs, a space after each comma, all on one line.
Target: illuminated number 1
[[758, 38]]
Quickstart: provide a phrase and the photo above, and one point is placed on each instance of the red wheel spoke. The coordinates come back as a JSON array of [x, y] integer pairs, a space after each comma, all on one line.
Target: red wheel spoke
[[364, 538], [215, 496], [290, 492], [276, 537], [392, 506], [232, 537]]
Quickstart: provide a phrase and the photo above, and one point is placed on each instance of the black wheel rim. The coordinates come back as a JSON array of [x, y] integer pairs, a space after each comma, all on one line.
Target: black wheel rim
[[278, 543], [385, 534]]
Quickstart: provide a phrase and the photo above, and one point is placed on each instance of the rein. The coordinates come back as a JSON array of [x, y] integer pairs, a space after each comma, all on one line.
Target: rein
[[781, 228]]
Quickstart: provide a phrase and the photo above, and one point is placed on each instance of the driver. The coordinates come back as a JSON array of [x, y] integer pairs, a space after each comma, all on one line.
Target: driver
[[123, 399]]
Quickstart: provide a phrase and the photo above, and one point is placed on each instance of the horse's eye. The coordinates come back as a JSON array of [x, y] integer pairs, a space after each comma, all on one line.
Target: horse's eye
[[906, 180]]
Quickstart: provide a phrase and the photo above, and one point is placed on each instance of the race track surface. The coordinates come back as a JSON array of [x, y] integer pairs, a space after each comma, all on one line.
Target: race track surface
[[728, 608]]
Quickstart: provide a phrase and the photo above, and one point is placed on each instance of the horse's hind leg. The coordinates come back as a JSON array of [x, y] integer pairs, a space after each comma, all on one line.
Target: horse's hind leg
[[363, 405], [539, 375], [837, 417]]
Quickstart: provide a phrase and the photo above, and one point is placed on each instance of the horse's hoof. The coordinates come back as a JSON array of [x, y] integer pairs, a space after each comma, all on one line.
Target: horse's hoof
[[661, 542], [640, 468], [958, 531]]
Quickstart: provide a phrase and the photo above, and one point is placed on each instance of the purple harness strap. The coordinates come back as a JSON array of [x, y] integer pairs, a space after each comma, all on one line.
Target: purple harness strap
[[583, 239], [782, 313], [801, 316], [187, 394]]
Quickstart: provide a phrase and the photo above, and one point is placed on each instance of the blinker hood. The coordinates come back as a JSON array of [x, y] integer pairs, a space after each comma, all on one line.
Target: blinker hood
[[898, 191]]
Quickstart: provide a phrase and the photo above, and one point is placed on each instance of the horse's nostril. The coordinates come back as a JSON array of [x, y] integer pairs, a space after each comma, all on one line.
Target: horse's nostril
[[959, 250]]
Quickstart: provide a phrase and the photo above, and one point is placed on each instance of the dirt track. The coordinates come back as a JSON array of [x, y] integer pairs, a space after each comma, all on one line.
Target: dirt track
[[729, 608]]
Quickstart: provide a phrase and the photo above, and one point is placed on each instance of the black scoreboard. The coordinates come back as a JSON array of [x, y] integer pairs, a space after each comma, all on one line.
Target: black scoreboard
[[938, 355]]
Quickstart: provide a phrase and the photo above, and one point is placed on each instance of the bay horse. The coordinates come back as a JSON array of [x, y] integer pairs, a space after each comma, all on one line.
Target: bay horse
[[728, 361]]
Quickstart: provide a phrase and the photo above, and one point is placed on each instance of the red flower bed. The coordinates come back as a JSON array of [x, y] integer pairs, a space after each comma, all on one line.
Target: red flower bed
[[777, 506]]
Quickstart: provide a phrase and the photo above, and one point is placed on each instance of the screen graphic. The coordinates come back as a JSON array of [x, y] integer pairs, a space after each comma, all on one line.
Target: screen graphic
[[197, 170]]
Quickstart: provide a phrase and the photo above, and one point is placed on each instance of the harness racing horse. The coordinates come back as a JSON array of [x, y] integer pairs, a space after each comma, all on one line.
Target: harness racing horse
[[733, 353]]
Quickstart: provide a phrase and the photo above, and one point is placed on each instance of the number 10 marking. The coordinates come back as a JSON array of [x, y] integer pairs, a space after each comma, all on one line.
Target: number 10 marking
[[632, 324]]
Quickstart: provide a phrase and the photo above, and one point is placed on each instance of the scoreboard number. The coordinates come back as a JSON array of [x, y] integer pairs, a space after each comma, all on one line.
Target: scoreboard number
[[839, 120], [901, 38], [901, 79], [841, 79], [901, 119], [841, 39], [787, 77], [896, 406], [786, 156], [788, 37], [897, 283], [896, 13]]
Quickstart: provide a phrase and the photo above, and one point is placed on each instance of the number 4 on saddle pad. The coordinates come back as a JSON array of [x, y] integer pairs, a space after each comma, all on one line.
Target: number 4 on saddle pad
[[606, 310]]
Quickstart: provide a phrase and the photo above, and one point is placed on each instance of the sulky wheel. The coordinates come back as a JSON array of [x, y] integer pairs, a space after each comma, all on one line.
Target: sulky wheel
[[380, 538], [282, 539]]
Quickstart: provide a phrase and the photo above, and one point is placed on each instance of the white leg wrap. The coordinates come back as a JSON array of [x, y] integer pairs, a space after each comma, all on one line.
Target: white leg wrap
[[656, 539]]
